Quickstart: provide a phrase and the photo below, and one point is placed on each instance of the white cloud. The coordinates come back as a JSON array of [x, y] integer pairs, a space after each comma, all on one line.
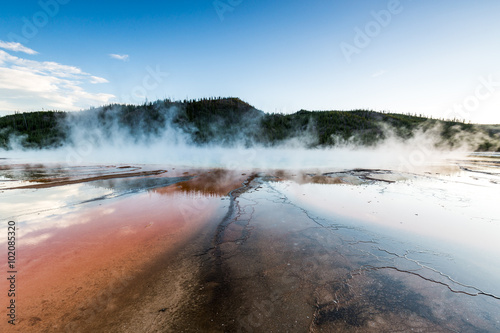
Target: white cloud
[[33, 85], [123, 57], [16, 47], [96, 79]]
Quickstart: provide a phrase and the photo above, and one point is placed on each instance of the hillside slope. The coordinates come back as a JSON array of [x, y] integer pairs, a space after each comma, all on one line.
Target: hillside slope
[[229, 121]]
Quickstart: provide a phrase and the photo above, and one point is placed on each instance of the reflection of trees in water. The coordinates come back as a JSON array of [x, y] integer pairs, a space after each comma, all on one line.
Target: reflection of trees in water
[[190, 194], [136, 184], [35, 172], [55, 172], [213, 183]]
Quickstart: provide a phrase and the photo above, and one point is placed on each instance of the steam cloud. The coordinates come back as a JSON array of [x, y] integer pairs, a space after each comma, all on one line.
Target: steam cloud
[[101, 137]]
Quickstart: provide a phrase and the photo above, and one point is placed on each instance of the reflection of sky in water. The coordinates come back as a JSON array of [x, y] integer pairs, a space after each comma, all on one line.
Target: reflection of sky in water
[[36, 210], [448, 221], [442, 227], [460, 212], [18, 203], [33, 209], [440, 220]]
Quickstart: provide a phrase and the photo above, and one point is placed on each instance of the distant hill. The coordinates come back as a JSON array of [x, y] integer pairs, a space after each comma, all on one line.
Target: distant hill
[[229, 121]]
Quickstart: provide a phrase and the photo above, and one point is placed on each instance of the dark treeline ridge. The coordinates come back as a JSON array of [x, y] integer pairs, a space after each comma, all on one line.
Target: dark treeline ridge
[[226, 121]]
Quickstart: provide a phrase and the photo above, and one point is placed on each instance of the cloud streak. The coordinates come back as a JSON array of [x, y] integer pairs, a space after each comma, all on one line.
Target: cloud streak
[[122, 57], [32, 85], [16, 47]]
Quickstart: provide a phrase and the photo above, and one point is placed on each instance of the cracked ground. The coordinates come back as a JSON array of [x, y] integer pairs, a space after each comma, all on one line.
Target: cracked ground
[[252, 251]]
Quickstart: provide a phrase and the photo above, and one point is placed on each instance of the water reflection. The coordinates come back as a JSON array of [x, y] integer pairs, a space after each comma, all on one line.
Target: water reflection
[[76, 249], [17, 175], [139, 184], [212, 183], [333, 250], [335, 274]]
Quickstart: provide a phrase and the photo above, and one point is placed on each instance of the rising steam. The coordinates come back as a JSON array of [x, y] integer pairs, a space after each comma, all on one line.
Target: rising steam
[[112, 135]]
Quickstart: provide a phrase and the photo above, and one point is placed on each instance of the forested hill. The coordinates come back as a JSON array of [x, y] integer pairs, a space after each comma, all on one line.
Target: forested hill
[[229, 121]]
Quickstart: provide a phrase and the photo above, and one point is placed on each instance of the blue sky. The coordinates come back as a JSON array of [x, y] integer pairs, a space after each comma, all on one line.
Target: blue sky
[[437, 58]]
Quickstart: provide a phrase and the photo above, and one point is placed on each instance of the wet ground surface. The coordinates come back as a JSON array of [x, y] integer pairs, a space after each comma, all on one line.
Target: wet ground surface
[[158, 249]]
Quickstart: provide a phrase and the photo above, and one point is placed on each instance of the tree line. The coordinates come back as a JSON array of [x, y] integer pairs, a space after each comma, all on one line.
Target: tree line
[[228, 121]]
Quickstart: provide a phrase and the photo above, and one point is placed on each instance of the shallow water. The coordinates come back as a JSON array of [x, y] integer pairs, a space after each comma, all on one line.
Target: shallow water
[[364, 250], [302, 269]]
